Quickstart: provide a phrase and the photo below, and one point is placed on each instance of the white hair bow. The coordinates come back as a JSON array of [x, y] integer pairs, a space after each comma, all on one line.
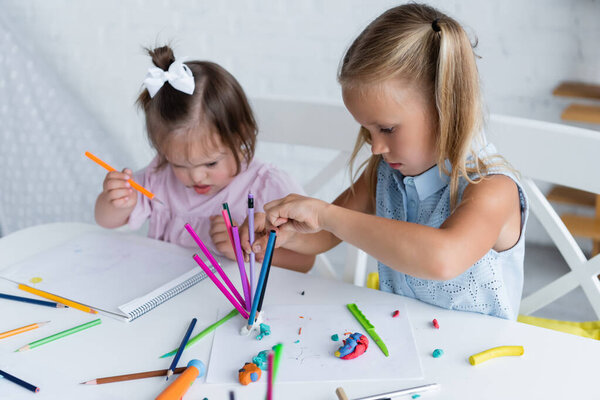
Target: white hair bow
[[179, 76]]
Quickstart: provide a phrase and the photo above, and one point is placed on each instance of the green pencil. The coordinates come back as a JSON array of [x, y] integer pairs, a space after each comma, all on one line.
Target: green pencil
[[205, 332], [278, 348], [60, 335]]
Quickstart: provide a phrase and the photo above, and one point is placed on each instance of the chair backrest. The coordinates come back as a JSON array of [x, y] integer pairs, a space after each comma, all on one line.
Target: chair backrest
[[563, 155], [314, 124]]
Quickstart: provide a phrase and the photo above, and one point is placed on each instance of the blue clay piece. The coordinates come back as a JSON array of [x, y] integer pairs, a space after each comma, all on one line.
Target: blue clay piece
[[416, 396], [335, 337], [437, 353], [261, 360], [254, 377], [265, 329]]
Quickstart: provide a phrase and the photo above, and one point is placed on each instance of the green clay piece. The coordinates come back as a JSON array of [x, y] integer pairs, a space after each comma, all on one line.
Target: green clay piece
[[335, 337], [437, 353]]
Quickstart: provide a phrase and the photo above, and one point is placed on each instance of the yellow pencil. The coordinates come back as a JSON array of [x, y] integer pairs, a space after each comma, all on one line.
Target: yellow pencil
[[133, 183], [58, 299], [22, 329]]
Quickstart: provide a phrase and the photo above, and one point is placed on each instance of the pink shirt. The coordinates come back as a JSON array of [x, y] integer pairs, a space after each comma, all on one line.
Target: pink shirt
[[184, 205]]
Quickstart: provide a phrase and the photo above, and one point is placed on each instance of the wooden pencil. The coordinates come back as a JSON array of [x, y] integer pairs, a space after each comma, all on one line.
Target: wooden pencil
[[58, 299], [31, 301], [22, 329], [130, 377]]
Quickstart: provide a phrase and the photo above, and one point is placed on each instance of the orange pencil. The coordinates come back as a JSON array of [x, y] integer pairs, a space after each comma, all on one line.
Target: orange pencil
[[22, 329], [133, 183], [58, 299]]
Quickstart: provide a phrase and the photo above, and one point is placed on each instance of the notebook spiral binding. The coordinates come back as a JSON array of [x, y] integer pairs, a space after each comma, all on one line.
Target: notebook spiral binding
[[158, 300]]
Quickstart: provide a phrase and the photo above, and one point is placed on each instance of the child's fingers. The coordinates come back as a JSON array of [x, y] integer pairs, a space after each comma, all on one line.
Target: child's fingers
[[113, 184], [259, 246], [117, 194], [217, 226], [120, 202], [221, 237]]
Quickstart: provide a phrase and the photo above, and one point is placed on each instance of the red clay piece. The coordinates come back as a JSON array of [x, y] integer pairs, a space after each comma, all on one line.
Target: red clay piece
[[395, 314], [436, 325]]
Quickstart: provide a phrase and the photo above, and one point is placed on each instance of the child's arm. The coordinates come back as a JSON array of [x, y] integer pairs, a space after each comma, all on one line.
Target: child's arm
[[117, 200], [292, 260], [487, 217]]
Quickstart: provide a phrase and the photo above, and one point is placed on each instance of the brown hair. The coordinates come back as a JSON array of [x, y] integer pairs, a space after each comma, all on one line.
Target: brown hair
[[218, 102], [418, 43]]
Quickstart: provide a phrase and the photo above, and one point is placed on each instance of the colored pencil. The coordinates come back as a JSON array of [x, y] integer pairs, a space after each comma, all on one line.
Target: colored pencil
[[22, 329], [32, 301], [205, 332], [184, 341], [133, 183], [131, 377], [264, 288], [228, 225], [270, 376], [222, 288], [214, 263], [58, 299], [261, 278], [226, 208], [241, 266], [19, 382], [278, 349], [251, 238], [59, 335]]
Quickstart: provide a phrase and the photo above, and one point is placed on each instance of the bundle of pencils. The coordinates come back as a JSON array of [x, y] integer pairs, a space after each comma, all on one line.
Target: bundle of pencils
[[251, 303]]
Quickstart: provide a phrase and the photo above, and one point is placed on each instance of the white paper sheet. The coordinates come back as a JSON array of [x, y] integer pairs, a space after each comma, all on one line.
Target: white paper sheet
[[312, 358]]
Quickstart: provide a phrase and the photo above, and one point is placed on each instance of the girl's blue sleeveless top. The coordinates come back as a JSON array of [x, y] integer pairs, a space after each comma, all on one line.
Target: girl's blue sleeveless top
[[492, 285]]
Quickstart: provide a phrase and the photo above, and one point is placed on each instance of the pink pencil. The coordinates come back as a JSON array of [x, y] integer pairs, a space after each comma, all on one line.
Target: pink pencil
[[270, 376], [220, 286], [228, 225], [241, 265], [214, 263]]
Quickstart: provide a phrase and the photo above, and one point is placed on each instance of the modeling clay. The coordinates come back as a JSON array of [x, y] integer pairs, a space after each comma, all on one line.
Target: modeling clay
[[354, 345], [250, 373]]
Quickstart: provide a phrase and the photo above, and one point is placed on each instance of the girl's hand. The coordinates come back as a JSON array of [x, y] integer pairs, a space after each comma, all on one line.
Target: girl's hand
[[261, 237], [118, 191], [296, 213], [220, 236]]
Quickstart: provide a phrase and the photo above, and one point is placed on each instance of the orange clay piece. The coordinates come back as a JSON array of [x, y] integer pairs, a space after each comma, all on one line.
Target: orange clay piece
[[250, 373]]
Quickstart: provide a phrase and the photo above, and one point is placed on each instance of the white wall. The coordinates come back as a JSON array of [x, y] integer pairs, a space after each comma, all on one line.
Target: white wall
[[292, 48]]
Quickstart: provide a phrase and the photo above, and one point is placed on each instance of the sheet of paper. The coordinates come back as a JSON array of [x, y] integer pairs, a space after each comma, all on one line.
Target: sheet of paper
[[104, 270], [312, 358]]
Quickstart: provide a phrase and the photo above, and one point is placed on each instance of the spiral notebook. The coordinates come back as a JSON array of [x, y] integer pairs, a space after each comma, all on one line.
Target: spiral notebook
[[120, 275]]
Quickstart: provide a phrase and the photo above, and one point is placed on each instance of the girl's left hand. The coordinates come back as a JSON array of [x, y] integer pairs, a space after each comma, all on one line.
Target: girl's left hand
[[220, 237], [296, 213]]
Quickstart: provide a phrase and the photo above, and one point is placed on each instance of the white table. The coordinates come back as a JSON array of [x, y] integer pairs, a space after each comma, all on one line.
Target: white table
[[555, 365]]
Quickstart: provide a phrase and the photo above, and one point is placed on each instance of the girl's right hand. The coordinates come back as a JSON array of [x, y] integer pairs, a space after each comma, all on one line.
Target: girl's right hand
[[261, 236], [118, 191]]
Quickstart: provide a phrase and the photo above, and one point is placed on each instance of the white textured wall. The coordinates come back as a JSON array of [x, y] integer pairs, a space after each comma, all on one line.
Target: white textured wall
[[292, 48]]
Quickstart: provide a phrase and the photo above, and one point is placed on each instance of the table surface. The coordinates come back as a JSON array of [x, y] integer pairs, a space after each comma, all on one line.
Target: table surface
[[555, 365]]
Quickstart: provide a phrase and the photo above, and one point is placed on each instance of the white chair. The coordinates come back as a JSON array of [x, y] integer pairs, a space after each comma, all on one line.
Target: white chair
[[317, 125], [562, 155]]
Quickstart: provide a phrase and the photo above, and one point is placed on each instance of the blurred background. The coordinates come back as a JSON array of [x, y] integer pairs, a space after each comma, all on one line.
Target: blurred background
[[70, 72]]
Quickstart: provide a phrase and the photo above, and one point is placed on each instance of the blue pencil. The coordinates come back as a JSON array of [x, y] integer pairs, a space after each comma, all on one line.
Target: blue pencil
[[19, 382], [181, 347], [264, 289], [261, 278], [32, 301]]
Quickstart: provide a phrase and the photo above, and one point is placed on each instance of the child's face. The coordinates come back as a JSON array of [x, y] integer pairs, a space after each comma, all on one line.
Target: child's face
[[206, 165], [400, 122]]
